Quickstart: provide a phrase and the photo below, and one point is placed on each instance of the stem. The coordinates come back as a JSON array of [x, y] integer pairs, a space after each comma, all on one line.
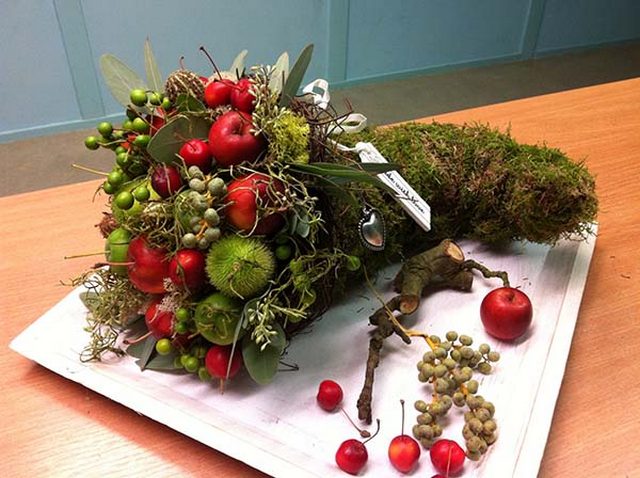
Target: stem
[[139, 339], [213, 63], [89, 170], [363, 433], [486, 272], [88, 254]]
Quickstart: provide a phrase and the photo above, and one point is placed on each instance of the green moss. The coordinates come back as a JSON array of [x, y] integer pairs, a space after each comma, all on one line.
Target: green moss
[[480, 183], [289, 138]]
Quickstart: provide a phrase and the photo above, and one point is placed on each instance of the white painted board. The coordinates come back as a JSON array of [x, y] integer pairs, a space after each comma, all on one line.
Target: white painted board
[[280, 430]]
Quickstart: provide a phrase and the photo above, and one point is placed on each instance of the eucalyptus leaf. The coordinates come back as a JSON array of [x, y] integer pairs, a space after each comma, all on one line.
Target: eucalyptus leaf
[[237, 67], [143, 351], [120, 78], [296, 75], [163, 362], [154, 78], [280, 73], [188, 104], [262, 365], [166, 143], [340, 174]]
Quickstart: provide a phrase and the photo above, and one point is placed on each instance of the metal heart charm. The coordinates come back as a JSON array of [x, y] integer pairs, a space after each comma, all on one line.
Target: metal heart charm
[[371, 227]]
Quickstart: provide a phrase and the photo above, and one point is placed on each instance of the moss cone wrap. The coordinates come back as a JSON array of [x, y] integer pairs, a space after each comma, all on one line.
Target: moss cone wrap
[[481, 184]]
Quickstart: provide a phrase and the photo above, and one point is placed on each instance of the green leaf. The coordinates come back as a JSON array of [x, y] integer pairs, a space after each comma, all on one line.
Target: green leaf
[[237, 67], [167, 141], [280, 73], [341, 174], [154, 78], [262, 365], [143, 351], [120, 79], [163, 362], [188, 104], [296, 75]]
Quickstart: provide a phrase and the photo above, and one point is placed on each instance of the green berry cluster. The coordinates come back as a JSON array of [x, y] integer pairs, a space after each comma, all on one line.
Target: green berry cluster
[[198, 209], [129, 143], [449, 368]]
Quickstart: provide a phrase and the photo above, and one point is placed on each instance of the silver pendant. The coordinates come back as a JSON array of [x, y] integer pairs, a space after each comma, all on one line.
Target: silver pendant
[[371, 227]]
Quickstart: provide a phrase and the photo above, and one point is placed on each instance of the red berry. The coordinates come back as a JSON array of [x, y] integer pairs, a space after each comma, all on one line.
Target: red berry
[[217, 361], [447, 457], [352, 456], [159, 322], [329, 395], [404, 453], [195, 152]]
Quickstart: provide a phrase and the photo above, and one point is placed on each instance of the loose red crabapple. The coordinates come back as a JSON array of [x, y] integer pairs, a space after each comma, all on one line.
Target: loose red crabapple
[[329, 395]]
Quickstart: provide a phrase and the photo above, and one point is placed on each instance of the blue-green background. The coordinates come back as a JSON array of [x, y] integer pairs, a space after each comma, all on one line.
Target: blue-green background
[[50, 79]]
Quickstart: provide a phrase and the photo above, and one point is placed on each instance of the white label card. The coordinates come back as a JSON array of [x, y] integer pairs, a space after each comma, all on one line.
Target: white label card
[[408, 198]]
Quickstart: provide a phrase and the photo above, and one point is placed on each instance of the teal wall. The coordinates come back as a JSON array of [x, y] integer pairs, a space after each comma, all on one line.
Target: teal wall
[[50, 79]]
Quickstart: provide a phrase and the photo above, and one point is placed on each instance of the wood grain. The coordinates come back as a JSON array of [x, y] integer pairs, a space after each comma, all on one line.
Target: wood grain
[[55, 427]]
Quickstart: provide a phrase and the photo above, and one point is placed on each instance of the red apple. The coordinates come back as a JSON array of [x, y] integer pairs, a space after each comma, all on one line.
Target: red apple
[[506, 313], [218, 93], [195, 152], [150, 266], [159, 322], [241, 97], [404, 453], [245, 195], [231, 140], [166, 180], [187, 269]]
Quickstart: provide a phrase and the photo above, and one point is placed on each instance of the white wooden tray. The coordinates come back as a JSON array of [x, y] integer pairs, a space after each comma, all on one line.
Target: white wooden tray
[[280, 430]]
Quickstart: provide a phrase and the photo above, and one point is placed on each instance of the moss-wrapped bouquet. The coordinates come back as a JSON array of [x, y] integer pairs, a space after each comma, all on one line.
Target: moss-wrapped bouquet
[[236, 211]]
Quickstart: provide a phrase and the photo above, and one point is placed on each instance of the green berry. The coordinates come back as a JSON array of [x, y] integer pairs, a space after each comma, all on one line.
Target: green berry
[[91, 142], [195, 172], [115, 178], [203, 374], [166, 103], [439, 370], [141, 193], [440, 353], [467, 433], [427, 370], [490, 439], [472, 386], [474, 455], [142, 140], [108, 188], [197, 185], [139, 125], [105, 129], [138, 97], [475, 425], [155, 98], [120, 150], [493, 356], [283, 252], [127, 125], [455, 355], [484, 349], [192, 364], [437, 430], [216, 186], [482, 414], [473, 444], [182, 313], [458, 399], [466, 352], [441, 385], [421, 406], [163, 346], [124, 200], [429, 357], [449, 363], [490, 407], [122, 159], [182, 327], [184, 358]]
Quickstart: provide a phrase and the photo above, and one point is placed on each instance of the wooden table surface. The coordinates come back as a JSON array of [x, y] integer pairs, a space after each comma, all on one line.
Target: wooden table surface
[[55, 427]]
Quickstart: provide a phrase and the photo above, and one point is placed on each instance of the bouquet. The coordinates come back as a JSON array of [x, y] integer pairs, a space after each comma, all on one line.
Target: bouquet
[[239, 210]]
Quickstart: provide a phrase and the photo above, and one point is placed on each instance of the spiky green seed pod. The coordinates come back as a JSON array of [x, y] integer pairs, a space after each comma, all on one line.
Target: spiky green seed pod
[[240, 266], [183, 82]]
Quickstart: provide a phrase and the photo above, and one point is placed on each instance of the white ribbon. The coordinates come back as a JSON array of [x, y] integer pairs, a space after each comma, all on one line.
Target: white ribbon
[[409, 199]]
